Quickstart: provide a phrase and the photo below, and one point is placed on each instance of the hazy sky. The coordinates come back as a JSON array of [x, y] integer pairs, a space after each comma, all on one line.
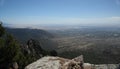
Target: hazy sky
[[88, 12]]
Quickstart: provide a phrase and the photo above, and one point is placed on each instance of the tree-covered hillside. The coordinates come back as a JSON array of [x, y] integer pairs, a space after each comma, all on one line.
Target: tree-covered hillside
[[14, 54]]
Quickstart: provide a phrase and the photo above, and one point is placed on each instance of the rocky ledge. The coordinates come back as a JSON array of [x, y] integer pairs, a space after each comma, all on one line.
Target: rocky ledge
[[50, 62]]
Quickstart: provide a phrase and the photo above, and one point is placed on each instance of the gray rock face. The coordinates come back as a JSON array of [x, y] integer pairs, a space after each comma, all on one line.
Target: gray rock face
[[50, 62], [33, 48], [15, 65], [46, 63], [55, 63]]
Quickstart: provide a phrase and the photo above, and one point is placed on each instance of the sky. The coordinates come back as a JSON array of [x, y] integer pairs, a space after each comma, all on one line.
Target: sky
[[82, 12]]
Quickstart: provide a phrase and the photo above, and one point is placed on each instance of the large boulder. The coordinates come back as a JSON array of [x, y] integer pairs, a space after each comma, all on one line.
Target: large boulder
[[50, 62]]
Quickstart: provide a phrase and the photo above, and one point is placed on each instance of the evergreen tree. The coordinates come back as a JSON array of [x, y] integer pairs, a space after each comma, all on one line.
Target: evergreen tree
[[2, 30], [10, 50], [53, 53]]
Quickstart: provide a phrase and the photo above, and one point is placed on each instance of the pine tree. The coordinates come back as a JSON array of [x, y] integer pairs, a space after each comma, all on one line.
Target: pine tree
[[10, 50], [2, 30]]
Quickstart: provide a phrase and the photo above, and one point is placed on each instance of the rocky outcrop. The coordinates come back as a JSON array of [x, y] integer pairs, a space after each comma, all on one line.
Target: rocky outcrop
[[13, 65], [45, 63], [56, 63], [50, 62], [33, 48]]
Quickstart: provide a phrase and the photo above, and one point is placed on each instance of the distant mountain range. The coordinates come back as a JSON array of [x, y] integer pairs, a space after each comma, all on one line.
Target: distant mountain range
[[24, 34], [57, 26]]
